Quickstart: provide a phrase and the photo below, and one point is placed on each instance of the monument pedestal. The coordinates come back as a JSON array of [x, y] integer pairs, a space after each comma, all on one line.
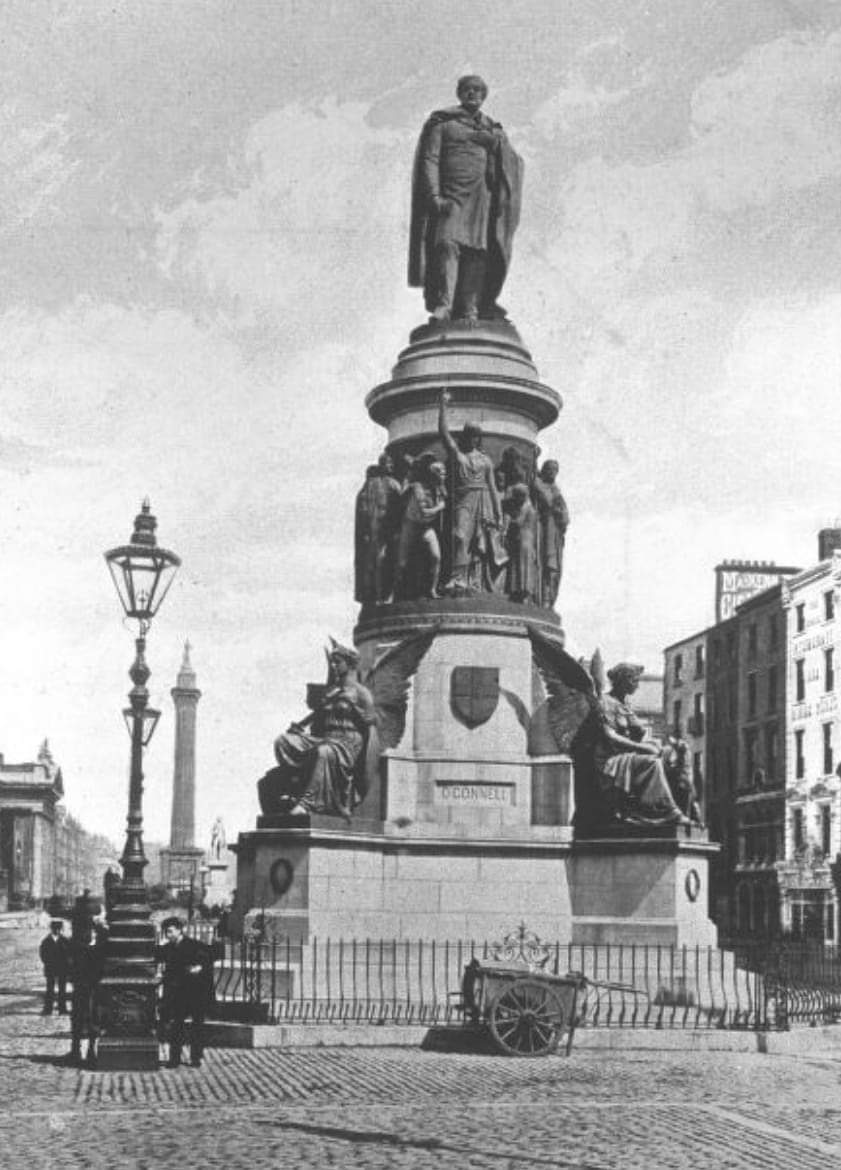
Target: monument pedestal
[[466, 832], [366, 882], [651, 889]]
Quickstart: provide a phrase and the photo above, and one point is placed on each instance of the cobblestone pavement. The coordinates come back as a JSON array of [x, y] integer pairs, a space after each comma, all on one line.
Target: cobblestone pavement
[[403, 1107]]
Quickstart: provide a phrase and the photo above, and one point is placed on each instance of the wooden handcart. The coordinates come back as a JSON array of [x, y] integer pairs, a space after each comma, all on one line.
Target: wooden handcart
[[525, 1012]]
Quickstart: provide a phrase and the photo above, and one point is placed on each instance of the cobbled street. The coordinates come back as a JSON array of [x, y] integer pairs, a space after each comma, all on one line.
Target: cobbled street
[[402, 1107]]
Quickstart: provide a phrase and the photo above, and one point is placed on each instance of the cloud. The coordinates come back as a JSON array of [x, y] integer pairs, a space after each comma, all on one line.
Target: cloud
[[311, 231]]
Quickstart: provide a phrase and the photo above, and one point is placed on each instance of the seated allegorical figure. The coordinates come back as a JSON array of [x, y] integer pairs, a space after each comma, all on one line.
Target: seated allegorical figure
[[619, 774], [325, 763], [320, 761], [629, 766]]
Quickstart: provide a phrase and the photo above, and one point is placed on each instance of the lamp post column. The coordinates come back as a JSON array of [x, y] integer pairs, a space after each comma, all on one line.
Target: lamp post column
[[142, 572], [128, 988], [134, 860]]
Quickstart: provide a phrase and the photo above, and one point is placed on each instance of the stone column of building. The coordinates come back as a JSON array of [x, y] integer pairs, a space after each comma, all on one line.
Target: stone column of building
[[180, 862]]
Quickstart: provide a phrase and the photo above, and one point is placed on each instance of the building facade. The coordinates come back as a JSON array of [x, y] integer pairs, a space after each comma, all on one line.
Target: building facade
[[813, 751], [758, 807], [725, 693], [44, 851]]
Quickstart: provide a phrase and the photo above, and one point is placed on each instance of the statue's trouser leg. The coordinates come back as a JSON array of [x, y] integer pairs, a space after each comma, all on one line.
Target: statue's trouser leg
[[472, 271], [447, 257]]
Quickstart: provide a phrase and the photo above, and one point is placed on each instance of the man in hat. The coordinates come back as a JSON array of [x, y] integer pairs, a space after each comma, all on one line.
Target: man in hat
[[87, 957], [465, 208], [187, 989], [54, 953]]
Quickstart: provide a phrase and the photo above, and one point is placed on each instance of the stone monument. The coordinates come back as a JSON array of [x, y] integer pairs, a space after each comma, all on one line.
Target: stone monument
[[180, 861], [430, 793], [216, 886]]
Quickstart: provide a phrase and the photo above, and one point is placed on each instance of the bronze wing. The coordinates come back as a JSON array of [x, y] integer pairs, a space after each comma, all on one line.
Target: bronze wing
[[570, 688], [389, 681]]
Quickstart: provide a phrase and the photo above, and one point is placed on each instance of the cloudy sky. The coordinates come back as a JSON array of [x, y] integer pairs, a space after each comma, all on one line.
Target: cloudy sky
[[204, 218]]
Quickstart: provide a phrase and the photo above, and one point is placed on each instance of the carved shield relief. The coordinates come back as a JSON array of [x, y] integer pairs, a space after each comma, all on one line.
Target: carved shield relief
[[474, 694]]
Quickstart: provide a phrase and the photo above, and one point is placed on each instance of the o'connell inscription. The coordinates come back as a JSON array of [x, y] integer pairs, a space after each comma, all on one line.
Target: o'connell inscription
[[466, 792]]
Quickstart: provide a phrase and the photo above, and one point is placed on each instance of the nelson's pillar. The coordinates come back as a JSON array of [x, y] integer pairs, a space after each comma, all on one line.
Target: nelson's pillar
[[181, 860], [431, 790]]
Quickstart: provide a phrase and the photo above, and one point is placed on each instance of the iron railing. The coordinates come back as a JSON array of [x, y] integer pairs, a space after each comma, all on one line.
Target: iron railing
[[752, 986]]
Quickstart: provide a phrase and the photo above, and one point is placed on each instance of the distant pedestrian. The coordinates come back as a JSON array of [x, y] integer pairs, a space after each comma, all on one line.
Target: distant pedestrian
[[187, 990], [88, 945], [54, 953]]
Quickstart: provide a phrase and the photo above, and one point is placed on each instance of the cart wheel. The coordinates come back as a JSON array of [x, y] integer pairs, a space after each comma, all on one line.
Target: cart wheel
[[526, 1019]]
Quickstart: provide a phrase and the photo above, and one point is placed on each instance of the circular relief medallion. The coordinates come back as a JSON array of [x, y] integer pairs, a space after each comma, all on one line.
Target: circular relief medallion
[[281, 875], [693, 885]]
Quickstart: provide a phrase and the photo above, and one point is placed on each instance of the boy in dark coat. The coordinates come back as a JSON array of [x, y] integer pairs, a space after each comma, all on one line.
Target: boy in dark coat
[[187, 989], [54, 953], [87, 951]]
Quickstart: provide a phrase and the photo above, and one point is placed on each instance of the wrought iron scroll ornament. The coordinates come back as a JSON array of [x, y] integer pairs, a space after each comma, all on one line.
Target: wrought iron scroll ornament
[[521, 946]]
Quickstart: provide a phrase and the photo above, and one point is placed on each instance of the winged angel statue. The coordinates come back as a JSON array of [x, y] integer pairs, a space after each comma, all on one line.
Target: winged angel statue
[[620, 775], [325, 763]]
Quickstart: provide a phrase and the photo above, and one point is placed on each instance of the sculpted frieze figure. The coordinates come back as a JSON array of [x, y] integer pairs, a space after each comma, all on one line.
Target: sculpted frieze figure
[[419, 545], [476, 553], [522, 581], [326, 762], [466, 191], [620, 775], [378, 509], [553, 517]]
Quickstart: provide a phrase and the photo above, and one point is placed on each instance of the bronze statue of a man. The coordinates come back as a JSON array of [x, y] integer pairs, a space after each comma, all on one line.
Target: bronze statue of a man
[[465, 208]]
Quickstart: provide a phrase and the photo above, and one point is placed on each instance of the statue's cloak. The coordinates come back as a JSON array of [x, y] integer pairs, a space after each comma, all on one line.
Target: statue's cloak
[[506, 196]]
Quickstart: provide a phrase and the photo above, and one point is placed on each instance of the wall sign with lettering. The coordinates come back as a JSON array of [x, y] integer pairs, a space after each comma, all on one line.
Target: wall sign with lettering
[[465, 792]]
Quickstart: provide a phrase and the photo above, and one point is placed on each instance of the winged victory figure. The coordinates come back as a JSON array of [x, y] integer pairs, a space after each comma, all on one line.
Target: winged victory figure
[[620, 775], [326, 762]]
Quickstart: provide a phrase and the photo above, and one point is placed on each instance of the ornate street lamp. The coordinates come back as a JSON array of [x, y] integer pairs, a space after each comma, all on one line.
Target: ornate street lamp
[[142, 573]]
